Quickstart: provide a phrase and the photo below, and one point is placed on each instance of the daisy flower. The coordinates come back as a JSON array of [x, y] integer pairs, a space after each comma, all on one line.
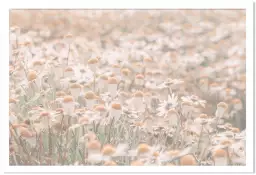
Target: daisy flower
[[193, 99], [220, 157], [173, 84], [164, 107], [188, 160]]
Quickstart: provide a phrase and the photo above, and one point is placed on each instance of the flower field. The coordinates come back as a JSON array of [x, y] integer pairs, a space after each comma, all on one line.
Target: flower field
[[127, 87]]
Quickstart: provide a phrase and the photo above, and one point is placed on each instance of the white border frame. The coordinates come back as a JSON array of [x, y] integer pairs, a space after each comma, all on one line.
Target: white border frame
[[112, 4]]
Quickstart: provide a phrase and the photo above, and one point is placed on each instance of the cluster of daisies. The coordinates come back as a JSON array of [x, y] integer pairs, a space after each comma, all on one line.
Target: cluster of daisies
[[172, 96]]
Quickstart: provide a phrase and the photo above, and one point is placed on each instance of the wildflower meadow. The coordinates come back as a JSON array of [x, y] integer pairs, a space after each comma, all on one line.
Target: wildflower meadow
[[127, 87]]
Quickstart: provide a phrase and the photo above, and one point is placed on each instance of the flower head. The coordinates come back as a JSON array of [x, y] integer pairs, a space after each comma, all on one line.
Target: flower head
[[139, 79], [108, 150], [68, 38], [75, 89], [148, 62], [32, 75], [195, 100], [93, 145], [69, 72], [237, 104], [165, 106], [68, 105], [137, 163], [221, 109], [110, 163], [116, 110], [143, 149], [112, 86], [83, 120], [93, 64], [188, 160], [220, 157]]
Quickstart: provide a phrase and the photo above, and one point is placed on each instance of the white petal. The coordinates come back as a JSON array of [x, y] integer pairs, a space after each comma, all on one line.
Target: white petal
[[95, 157], [132, 153]]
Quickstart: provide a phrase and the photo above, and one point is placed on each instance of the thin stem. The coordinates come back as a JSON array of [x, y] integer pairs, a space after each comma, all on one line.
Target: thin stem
[[61, 139], [109, 131], [68, 53], [94, 82], [20, 142], [50, 141]]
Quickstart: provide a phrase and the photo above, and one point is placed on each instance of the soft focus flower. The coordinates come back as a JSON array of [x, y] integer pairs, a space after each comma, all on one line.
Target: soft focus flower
[[110, 163], [116, 111], [172, 102], [174, 84], [28, 135], [93, 63], [148, 62], [143, 150], [139, 80], [137, 163], [116, 69], [34, 80], [12, 104], [237, 104], [220, 157], [75, 90], [101, 110], [102, 83], [125, 73], [112, 86], [46, 119], [90, 99], [68, 105], [188, 160], [38, 66], [68, 38], [138, 67], [83, 120], [221, 109], [194, 100], [108, 150], [93, 148], [137, 101], [69, 72]]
